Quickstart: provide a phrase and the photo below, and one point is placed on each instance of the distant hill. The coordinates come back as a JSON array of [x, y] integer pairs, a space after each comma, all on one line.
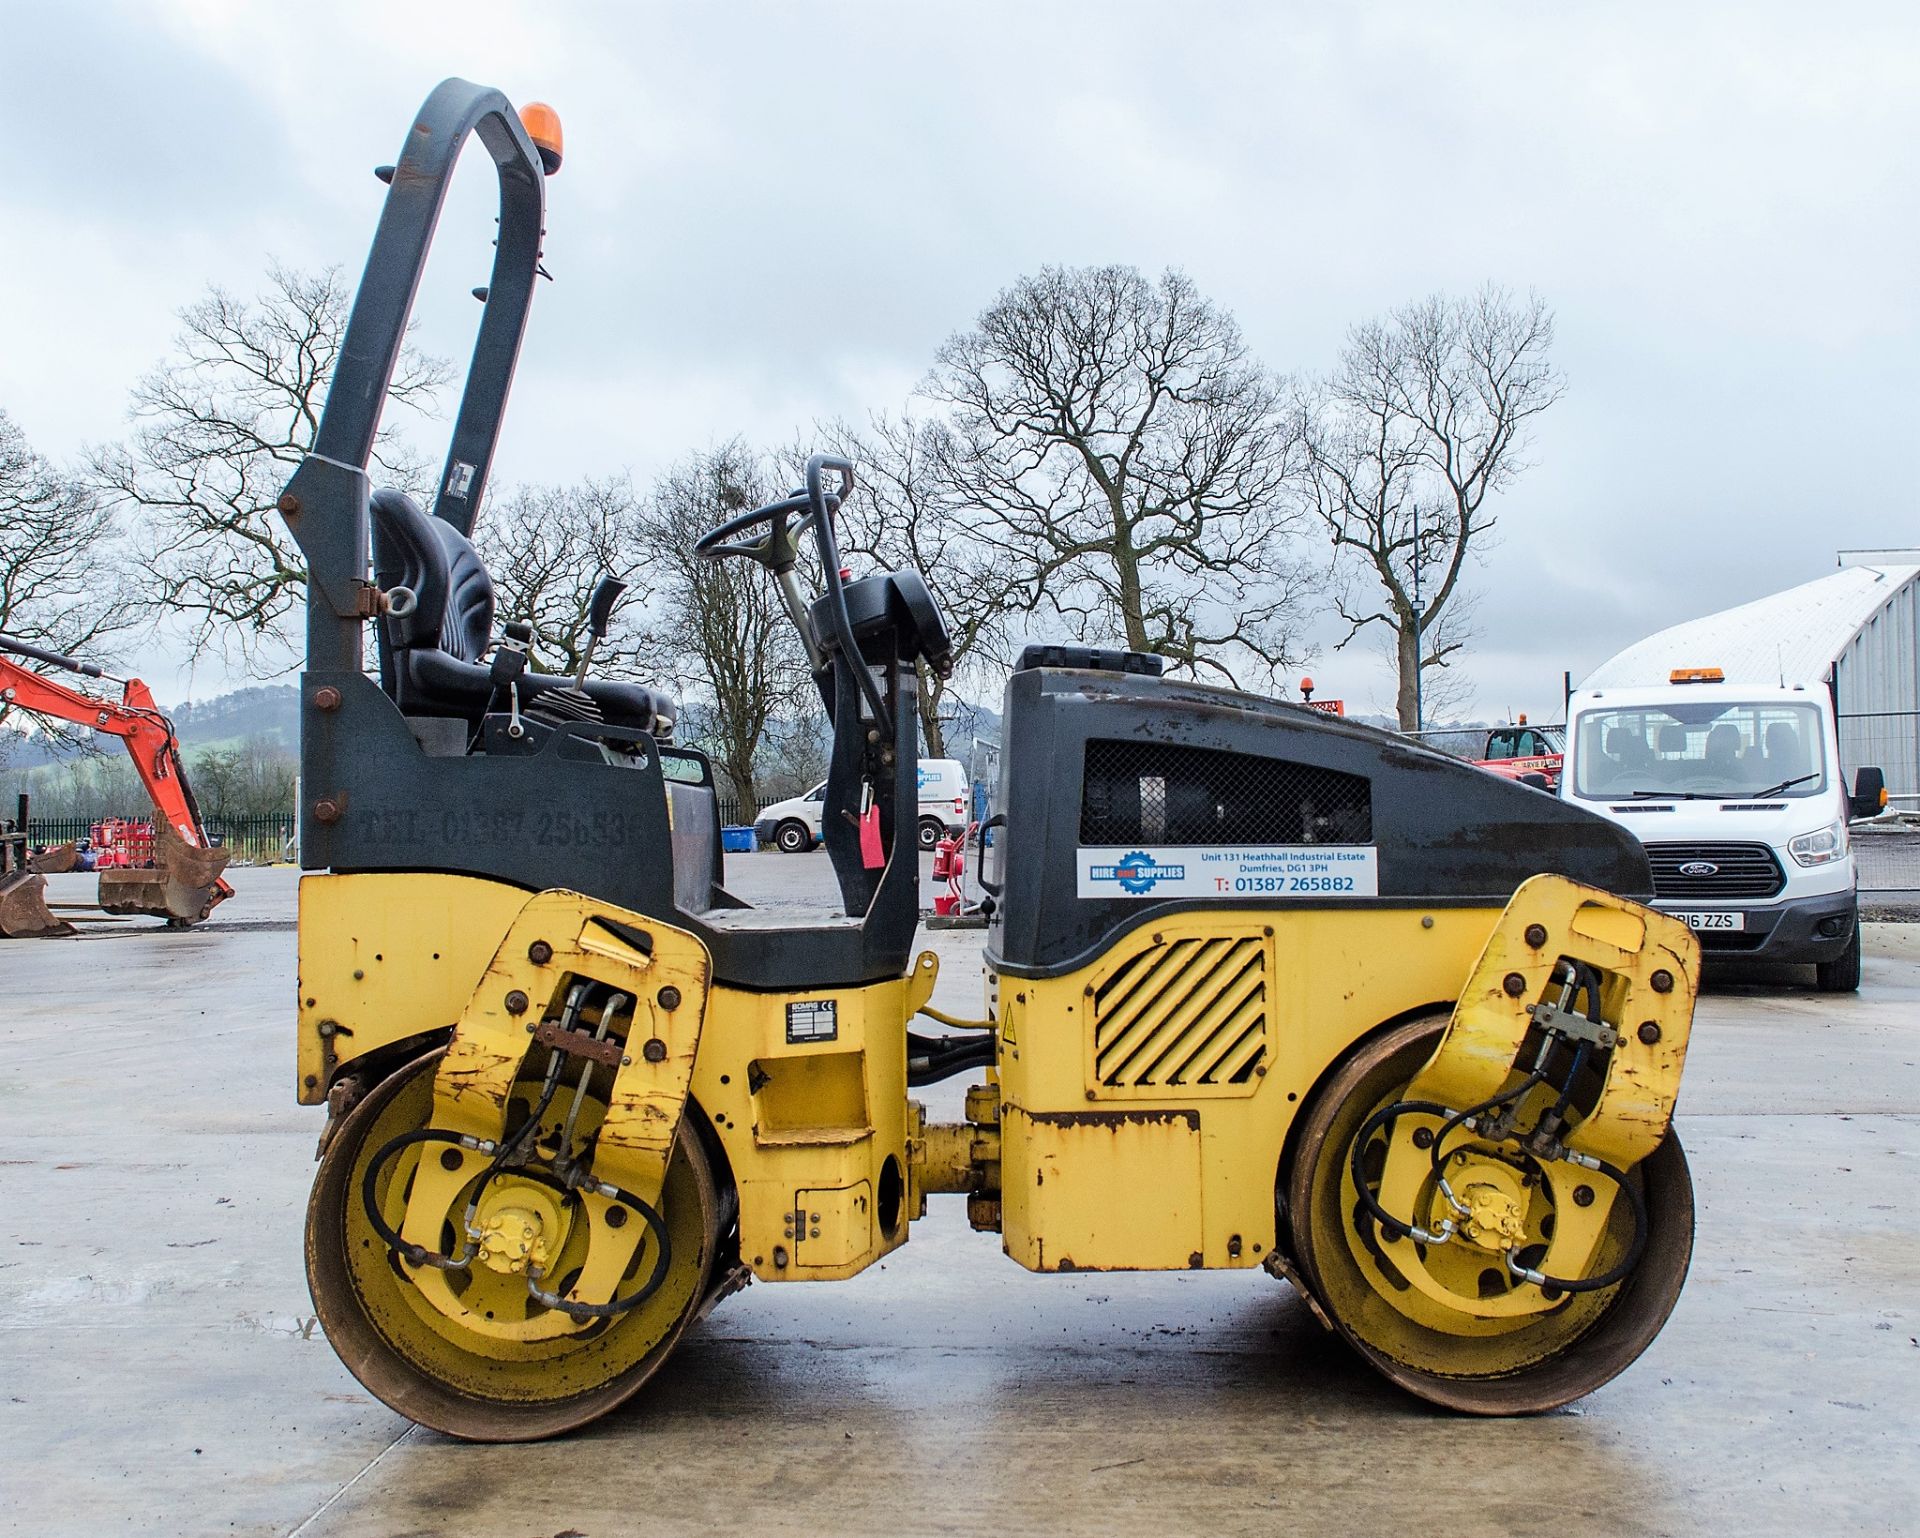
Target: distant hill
[[265, 710], [271, 711]]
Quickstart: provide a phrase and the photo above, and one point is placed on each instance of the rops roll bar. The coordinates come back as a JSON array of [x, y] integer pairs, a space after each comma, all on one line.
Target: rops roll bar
[[325, 504]]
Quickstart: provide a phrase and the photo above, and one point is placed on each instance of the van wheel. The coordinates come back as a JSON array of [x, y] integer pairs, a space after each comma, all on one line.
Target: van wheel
[[1842, 974], [931, 829], [793, 838]]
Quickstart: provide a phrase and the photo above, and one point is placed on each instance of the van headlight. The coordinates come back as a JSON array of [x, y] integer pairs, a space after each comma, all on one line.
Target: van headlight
[[1822, 846]]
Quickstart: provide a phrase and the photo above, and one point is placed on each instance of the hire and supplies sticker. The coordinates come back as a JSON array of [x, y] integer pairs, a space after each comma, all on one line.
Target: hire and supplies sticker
[[1201, 870]]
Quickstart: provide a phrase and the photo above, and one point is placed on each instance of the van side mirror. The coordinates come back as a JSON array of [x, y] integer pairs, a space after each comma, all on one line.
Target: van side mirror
[[1869, 797]]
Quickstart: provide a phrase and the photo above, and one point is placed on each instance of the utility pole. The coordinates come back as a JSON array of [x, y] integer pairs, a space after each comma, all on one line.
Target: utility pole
[[1419, 663]]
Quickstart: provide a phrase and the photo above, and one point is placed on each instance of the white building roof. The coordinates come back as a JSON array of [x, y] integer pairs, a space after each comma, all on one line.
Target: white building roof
[[1794, 636]]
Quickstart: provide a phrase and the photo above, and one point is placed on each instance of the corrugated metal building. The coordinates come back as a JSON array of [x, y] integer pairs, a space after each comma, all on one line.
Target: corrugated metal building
[[1858, 628]]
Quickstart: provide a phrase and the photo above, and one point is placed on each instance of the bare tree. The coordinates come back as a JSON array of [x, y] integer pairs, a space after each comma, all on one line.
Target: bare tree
[[1127, 459], [252, 778], [1421, 422], [720, 628], [547, 548], [219, 425], [62, 574], [1445, 690], [904, 513]]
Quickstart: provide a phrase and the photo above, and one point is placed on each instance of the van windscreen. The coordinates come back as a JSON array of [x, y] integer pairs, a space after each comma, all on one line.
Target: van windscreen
[[1709, 749]]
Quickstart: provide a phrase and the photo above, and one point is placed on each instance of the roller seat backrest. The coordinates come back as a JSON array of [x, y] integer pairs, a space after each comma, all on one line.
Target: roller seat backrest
[[432, 659], [453, 592]]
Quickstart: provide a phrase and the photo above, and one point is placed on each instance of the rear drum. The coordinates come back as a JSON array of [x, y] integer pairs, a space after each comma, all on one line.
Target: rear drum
[[423, 1363], [1500, 1366]]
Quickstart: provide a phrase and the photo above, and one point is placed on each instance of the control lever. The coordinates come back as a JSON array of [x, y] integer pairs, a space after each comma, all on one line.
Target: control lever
[[606, 593], [509, 662]]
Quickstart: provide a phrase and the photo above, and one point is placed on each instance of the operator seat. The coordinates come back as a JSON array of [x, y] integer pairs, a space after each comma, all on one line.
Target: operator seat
[[430, 659]]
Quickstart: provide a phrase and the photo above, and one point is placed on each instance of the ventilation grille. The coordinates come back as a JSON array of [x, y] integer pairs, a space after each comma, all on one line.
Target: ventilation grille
[[1150, 793], [1719, 872], [1188, 1015]]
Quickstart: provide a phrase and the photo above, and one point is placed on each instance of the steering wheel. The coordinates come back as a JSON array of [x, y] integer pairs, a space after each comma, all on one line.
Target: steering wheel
[[778, 551], [779, 548]]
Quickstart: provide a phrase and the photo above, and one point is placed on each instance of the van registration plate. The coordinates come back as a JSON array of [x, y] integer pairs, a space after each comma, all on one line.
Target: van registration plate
[[1713, 920]]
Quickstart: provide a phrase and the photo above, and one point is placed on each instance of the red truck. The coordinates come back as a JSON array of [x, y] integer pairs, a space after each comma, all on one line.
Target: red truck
[[1530, 753]]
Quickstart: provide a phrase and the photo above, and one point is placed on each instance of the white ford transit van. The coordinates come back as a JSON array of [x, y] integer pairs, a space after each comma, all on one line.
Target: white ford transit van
[[1735, 791], [794, 825]]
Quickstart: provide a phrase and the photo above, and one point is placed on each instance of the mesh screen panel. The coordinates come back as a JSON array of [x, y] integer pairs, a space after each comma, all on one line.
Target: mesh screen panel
[[1152, 793]]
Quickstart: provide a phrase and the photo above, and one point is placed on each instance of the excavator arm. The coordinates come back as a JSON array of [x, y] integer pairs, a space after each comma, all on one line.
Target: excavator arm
[[186, 883]]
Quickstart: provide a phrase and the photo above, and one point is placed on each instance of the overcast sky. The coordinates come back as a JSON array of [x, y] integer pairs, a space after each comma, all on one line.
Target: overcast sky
[[774, 213]]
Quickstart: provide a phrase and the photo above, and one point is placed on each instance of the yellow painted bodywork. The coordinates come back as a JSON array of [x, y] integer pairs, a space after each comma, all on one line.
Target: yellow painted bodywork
[[1143, 1101], [1100, 1170], [1629, 945], [1124, 1176], [556, 938], [809, 1128], [385, 957]]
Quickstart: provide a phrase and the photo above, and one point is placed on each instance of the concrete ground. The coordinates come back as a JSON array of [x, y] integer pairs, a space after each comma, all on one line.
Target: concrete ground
[[160, 1369]]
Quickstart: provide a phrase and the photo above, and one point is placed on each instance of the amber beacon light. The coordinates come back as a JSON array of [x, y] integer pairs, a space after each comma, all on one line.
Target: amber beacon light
[[542, 124]]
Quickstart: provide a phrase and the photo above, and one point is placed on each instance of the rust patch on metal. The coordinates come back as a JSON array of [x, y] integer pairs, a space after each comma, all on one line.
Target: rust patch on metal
[[1278, 1265], [341, 1099], [578, 1043], [1114, 1120], [475, 1075]]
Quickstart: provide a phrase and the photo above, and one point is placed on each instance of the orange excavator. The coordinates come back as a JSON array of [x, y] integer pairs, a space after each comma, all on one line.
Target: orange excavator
[[184, 884]]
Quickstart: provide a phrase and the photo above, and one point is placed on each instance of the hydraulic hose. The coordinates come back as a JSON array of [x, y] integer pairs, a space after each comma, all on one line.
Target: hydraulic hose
[[415, 1254], [933, 1058], [663, 1256], [1383, 1117], [1584, 979], [1614, 1274], [954, 1020], [500, 1153]]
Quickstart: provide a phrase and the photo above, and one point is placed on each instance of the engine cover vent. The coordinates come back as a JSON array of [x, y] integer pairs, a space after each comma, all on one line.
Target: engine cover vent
[[1184, 1017]]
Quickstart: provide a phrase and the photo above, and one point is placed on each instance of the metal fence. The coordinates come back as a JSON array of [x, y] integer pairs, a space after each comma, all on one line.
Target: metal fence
[[1889, 740], [1887, 856], [1887, 850], [253, 840], [1459, 741]]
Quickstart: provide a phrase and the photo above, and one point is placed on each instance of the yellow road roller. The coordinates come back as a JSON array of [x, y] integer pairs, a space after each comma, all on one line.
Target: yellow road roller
[[1265, 989]]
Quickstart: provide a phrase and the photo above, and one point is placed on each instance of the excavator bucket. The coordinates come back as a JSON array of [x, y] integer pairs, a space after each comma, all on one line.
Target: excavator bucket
[[183, 886], [55, 861], [24, 914]]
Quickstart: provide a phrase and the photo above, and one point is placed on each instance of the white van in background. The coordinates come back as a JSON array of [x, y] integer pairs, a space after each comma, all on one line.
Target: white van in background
[[1735, 791], [793, 826]]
